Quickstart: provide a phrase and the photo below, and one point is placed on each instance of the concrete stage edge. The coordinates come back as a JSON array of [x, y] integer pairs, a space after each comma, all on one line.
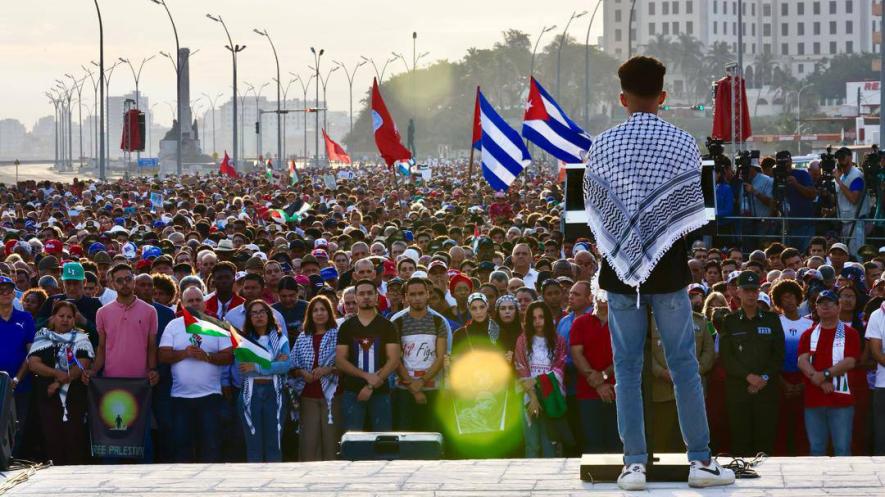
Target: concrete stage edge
[[805, 476]]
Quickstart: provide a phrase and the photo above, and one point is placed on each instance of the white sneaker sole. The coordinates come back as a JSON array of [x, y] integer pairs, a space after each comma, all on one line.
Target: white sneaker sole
[[709, 482], [632, 485]]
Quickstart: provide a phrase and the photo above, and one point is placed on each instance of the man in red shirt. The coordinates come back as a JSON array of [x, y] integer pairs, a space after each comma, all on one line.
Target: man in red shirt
[[827, 351], [591, 349], [500, 210]]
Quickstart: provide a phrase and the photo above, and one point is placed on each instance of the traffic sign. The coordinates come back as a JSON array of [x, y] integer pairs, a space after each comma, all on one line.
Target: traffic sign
[[149, 162]]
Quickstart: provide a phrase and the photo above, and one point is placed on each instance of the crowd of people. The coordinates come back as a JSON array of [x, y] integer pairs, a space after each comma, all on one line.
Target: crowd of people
[[769, 198], [371, 293]]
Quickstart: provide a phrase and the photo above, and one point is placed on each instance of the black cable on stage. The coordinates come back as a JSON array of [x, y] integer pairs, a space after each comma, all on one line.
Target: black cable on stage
[[743, 468]]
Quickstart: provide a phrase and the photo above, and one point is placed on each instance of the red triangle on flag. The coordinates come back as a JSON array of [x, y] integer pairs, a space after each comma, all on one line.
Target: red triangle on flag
[[477, 122], [534, 107]]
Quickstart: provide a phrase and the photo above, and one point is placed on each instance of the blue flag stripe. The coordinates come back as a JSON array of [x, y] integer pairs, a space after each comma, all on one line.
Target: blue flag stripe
[[504, 155]]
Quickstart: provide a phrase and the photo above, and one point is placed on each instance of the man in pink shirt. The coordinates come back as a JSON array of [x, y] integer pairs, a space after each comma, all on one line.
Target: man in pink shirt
[[127, 329]]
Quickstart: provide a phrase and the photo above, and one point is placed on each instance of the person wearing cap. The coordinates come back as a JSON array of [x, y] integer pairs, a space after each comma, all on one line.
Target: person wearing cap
[[438, 275], [791, 438], [751, 347], [423, 337], [852, 200], [500, 210], [696, 294], [838, 255], [72, 277], [827, 352], [368, 352], [16, 336]]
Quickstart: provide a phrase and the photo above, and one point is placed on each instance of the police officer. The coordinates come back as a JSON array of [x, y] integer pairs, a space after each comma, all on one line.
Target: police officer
[[752, 350]]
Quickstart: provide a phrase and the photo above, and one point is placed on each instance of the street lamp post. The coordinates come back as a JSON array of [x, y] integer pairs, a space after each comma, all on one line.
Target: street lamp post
[[177, 85], [243, 121], [378, 75], [102, 169], [137, 77], [257, 116], [67, 125], [316, 60], [234, 50], [587, 66], [326, 103], [212, 102], [52, 98], [304, 87], [535, 48], [78, 85], [93, 142], [149, 125], [107, 103], [285, 123], [630, 29], [575, 15], [279, 91], [350, 76]]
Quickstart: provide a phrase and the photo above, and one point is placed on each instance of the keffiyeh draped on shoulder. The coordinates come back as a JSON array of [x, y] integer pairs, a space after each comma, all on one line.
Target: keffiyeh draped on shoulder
[[642, 192]]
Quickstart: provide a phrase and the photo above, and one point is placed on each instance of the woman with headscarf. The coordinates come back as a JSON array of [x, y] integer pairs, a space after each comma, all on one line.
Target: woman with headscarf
[[480, 386], [507, 318], [57, 357]]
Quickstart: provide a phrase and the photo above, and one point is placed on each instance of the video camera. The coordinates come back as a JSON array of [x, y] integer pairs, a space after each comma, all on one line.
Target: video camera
[[828, 162], [826, 186], [745, 160], [716, 153], [873, 173]]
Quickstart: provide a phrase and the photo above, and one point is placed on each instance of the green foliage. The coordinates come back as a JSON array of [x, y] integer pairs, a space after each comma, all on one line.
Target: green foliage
[[442, 95], [829, 79]]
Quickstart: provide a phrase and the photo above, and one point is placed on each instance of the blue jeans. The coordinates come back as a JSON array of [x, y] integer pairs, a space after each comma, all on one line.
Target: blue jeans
[[377, 409], [537, 439], [599, 421], [264, 444], [195, 422], [629, 328], [824, 423]]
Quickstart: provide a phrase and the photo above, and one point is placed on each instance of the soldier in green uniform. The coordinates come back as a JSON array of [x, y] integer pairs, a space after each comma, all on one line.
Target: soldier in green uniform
[[752, 350]]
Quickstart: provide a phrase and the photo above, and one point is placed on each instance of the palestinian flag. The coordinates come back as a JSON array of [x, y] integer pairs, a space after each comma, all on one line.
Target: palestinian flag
[[293, 176], [280, 216], [196, 326], [268, 170], [246, 350]]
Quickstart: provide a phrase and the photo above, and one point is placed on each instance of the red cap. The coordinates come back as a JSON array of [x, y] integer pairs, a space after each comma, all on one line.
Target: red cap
[[389, 268], [76, 250], [53, 247], [143, 264], [10, 245]]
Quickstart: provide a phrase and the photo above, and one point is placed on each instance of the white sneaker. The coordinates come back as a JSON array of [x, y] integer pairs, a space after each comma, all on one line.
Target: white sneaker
[[711, 475], [632, 478]]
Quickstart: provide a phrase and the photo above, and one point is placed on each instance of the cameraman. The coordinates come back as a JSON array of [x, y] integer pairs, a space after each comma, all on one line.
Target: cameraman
[[851, 199], [800, 197], [757, 201]]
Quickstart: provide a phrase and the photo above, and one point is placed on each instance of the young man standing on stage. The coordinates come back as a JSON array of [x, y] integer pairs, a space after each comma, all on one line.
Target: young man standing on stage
[[643, 194]]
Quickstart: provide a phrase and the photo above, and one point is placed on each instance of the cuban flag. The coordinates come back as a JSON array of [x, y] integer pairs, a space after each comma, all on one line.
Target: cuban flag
[[547, 126], [504, 155]]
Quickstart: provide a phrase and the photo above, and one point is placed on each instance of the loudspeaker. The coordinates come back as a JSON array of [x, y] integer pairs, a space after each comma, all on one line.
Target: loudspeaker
[[389, 446], [605, 468], [7, 420]]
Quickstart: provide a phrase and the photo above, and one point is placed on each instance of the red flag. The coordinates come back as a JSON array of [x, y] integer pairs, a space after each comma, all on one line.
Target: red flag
[[722, 115], [477, 124], [334, 152], [225, 169], [386, 135]]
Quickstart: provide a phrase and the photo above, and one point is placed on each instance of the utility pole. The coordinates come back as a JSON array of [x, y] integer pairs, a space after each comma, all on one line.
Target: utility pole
[[316, 58]]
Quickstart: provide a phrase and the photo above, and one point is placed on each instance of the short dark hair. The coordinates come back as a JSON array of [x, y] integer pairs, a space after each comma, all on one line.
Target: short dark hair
[[642, 76], [224, 266], [416, 281], [119, 267], [789, 253], [254, 277], [818, 240], [365, 282]]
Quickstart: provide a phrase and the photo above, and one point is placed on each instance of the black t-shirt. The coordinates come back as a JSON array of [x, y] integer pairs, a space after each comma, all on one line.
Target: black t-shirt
[[294, 316], [345, 279], [88, 307], [669, 275], [367, 348]]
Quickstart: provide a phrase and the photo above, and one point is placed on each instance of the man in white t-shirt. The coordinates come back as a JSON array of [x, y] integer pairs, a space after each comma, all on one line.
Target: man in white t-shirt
[[876, 336], [197, 362]]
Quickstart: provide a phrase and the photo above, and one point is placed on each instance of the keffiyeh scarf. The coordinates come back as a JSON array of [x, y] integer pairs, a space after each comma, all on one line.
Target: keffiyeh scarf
[[276, 341], [642, 192], [303, 358], [840, 383], [66, 346]]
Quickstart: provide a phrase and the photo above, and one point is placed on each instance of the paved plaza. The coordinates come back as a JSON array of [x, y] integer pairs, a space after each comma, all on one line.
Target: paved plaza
[[805, 477]]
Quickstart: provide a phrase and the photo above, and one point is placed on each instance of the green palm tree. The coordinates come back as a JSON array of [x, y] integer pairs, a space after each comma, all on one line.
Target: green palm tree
[[688, 58]]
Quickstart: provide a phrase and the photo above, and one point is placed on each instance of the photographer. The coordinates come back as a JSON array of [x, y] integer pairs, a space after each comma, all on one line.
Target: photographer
[[851, 198], [757, 200], [800, 195]]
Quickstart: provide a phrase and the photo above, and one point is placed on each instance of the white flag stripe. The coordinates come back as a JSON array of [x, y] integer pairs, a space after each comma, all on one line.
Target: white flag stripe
[[553, 112], [496, 167], [509, 148], [555, 139]]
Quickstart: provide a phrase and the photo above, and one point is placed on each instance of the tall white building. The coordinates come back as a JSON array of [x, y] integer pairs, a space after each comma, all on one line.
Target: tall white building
[[798, 33]]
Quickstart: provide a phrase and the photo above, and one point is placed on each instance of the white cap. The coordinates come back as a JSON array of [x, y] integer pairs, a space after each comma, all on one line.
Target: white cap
[[763, 297]]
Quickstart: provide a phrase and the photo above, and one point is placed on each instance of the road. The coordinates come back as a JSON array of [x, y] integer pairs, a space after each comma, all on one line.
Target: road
[[37, 172]]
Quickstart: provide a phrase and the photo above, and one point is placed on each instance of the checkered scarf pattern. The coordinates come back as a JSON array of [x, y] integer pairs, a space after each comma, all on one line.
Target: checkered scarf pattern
[[642, 192]]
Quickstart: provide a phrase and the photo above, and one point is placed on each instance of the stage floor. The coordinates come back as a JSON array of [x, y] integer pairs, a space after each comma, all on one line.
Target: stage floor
[[854, 476]]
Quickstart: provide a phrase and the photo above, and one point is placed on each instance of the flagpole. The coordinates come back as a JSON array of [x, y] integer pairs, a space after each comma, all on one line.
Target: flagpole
[[470, 165]]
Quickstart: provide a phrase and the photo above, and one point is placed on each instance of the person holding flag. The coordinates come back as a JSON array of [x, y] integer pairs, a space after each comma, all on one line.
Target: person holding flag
[[197, 351], [262, 358], [225, 168]]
